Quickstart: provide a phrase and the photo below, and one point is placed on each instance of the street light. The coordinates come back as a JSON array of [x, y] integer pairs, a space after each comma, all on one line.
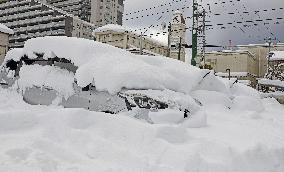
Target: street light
[[229, 71]]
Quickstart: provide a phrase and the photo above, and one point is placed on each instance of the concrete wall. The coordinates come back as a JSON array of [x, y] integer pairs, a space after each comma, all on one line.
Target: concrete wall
[[236, 62], [261, 53], [4, 41]]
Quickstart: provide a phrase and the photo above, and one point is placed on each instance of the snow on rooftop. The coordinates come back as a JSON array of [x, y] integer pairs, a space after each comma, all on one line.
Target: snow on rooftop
[[5, 29], [112, 69], [277, 83], [160, 39], [111, 27], [276, 55]]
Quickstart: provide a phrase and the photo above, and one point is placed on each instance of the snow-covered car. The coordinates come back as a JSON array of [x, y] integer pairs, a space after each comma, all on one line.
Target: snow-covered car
[[75, 73]]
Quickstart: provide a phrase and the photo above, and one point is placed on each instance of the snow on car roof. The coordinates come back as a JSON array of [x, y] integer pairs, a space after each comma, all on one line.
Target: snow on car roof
[[112, 69], [5, 29]]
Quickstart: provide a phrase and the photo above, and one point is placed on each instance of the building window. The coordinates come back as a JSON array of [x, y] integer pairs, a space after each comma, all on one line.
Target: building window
[[120, 2]]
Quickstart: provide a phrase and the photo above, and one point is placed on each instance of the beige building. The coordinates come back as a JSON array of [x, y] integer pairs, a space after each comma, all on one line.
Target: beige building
[[241, 63], [4, 41], [122, 37], [261, 51]]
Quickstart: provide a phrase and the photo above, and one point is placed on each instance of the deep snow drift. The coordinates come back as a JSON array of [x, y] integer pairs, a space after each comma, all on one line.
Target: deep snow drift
[[54, 139], [233, 130]]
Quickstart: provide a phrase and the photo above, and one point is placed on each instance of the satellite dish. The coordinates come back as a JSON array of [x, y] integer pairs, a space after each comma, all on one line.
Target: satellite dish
[[164, 25]]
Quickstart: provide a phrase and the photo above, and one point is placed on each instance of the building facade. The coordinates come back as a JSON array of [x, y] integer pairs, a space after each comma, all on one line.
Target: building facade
[[177, 36], [122, 37], [98, 12], [4, 40], [261, 52], [31, 19], [241, 64]]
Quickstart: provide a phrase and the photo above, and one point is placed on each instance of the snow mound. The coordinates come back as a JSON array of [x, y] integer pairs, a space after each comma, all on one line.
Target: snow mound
[[247, 103], [212, 98], [49, 77], [198, 120], [41, 138], [167, 116]]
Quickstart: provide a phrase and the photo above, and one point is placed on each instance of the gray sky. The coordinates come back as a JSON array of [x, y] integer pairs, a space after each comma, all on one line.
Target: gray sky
[[218, 36]]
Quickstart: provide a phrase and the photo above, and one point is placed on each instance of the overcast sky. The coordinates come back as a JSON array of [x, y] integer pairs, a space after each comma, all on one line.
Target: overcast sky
[[238, 34]]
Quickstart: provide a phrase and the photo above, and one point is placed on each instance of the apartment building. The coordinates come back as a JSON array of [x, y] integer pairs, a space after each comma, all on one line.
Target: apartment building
[[32, 18], [4, 40], [98, 12]]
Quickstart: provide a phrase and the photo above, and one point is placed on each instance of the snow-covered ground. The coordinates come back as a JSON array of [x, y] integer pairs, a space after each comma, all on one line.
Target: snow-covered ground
[[51, 139], [234, 129]]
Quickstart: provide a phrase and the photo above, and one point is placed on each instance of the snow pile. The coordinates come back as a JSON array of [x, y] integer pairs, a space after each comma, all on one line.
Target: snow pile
[[111, 69], [111, 27], [15, 54], [5, 29], [276, 83], [166, 116], [49, 77], [276, 55], [49, 139]]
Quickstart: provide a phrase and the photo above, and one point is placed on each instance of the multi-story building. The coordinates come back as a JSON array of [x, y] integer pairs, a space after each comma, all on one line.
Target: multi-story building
[[31, 19], [4, 40], [122, 37], [98, 12]]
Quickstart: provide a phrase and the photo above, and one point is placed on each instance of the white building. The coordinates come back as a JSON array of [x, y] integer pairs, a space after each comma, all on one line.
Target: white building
[[98, 12], [31, 19], [177, 36], [4, 40]]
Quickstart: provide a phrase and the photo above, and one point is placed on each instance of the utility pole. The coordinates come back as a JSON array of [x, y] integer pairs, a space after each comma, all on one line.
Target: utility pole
[[194, 32], [179, 48], [169, 39], [141, 42], [203, 37]]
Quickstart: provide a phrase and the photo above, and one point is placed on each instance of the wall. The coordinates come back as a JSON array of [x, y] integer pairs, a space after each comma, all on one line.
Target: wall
[[260, 53], [236, 62], [3, 46], [129, 40], [81, 29]]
